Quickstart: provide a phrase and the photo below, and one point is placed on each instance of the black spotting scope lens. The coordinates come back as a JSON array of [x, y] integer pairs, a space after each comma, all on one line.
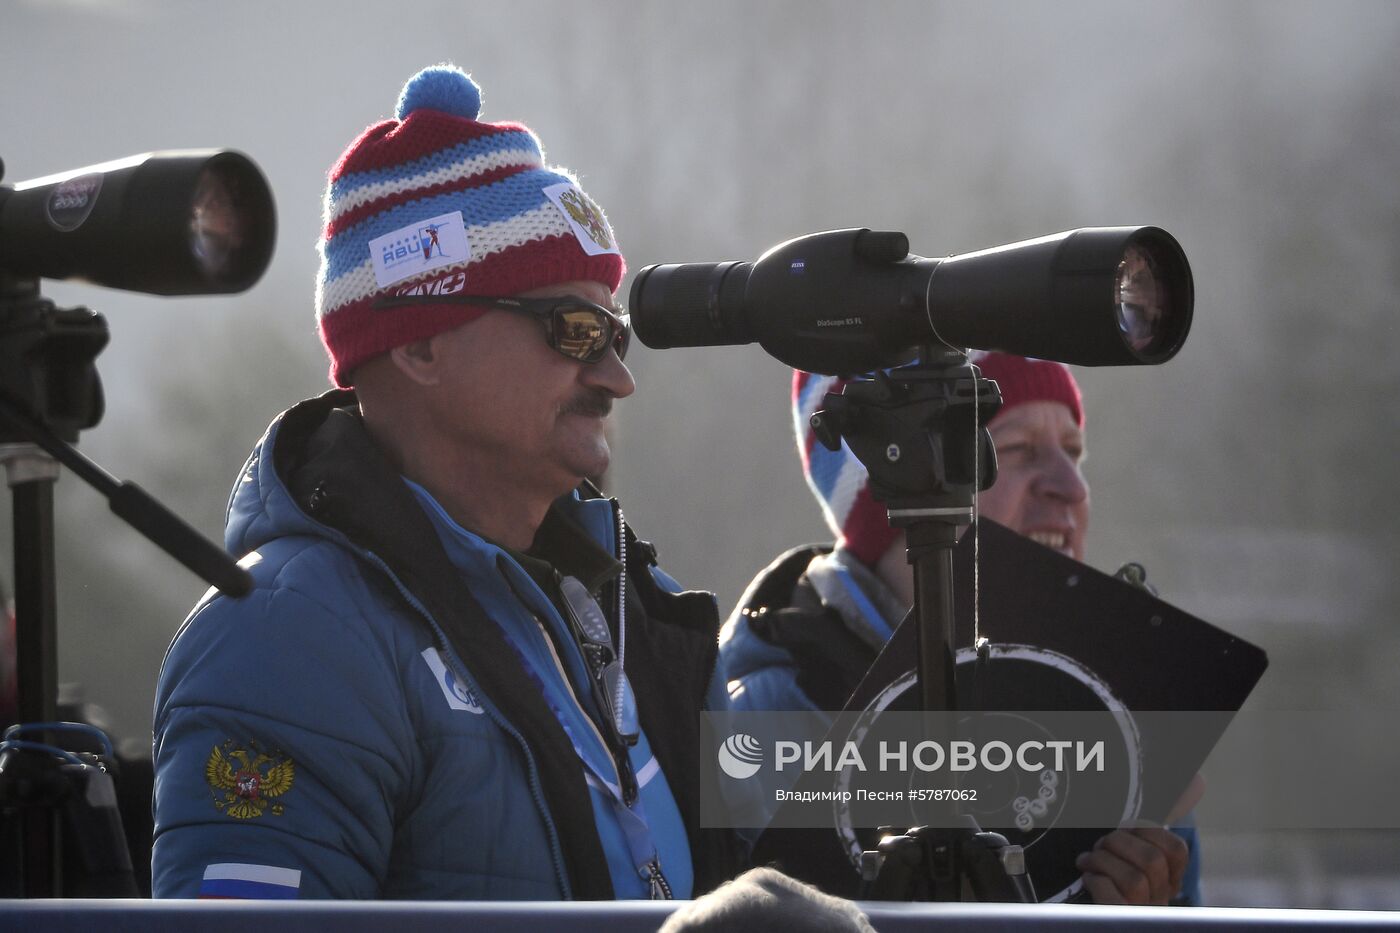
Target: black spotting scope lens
[[692, 304], [1096, 296], [1147, 310], [228, 221], [189, 222]]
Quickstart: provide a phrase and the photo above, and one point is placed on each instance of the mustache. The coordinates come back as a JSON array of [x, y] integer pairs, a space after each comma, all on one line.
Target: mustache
[[589, 402]]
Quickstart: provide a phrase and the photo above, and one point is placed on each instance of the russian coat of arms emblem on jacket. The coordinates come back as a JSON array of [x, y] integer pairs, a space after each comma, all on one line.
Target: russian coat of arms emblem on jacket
[[246, 781]]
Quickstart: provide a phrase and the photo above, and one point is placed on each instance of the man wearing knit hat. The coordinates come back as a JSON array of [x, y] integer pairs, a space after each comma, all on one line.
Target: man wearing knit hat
[[827, 611], [459, 674]]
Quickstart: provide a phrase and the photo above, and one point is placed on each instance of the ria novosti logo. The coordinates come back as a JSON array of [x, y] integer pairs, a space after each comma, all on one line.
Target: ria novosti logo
[[741, 756]]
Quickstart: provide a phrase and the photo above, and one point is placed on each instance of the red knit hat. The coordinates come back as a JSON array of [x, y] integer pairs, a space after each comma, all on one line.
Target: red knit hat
[[436, 202], [839, 480], [1023, 379]]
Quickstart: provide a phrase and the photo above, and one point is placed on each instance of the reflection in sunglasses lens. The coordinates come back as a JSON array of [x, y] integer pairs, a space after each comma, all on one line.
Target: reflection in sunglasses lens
[[581, 334]]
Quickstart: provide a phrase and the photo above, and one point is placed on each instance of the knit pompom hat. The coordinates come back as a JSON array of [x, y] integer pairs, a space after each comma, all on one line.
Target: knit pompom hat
[[436, 202], [839, 480]]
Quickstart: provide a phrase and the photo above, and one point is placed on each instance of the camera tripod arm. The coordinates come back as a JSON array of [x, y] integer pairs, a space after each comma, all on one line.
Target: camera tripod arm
[[138, 508]]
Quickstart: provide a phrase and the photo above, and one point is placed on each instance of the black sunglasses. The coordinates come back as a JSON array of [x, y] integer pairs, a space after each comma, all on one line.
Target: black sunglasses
[[577, 328], [611, 692]]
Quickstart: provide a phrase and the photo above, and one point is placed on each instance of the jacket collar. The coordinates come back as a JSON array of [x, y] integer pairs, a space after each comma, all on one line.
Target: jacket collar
[[869, 607]]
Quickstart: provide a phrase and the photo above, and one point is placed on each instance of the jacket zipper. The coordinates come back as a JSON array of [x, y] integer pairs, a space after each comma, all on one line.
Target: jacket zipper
[[660, 888], [460, 669], [625, 774]]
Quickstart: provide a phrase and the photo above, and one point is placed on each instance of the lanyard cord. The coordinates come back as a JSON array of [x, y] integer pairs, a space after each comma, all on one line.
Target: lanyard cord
[[631, 816]]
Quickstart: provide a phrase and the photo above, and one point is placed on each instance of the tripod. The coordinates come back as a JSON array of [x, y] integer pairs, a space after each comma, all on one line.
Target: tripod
[[49, 391], [920, 432]]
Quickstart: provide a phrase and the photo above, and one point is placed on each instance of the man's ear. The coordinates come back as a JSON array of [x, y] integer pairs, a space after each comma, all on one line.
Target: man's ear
[[417, 361]]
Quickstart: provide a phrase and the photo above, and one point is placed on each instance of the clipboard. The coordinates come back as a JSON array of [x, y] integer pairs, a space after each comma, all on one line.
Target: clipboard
[[1063, 637]]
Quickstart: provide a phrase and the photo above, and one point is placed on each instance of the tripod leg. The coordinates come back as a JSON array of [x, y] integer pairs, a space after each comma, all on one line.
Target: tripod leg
[[37, 656], [35, 610]]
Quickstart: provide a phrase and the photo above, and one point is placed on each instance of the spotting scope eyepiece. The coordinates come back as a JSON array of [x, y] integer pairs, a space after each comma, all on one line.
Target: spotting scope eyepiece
[[851, 301], [168, 223]]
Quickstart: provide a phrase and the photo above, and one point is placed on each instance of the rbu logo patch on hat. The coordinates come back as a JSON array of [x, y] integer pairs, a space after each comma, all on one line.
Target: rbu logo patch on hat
[[419, 247]]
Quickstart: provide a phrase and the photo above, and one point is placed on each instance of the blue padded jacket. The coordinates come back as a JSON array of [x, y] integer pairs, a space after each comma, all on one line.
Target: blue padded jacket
[[370, 721]]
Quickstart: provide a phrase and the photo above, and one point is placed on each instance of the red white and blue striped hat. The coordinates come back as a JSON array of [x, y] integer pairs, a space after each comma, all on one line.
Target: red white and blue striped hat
[[437, 202], [839, 480]]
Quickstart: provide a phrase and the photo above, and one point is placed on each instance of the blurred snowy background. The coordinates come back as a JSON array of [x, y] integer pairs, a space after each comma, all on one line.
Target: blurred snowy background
[[1254, 475]]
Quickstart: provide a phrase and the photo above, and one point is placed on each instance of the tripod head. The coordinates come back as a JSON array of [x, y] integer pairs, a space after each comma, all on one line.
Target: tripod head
[[48, 361], [920, 431]]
